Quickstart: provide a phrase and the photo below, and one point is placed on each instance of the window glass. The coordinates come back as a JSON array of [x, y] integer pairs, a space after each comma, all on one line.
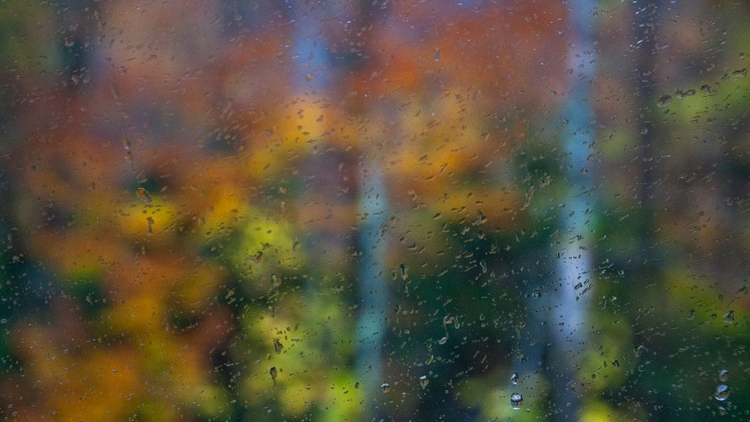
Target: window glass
[[220, 210]]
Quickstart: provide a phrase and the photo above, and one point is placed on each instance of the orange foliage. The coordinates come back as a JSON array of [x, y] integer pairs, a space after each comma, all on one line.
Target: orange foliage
[[217, 135]]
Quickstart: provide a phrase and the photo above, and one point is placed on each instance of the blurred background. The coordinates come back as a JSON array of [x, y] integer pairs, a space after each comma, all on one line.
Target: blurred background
[[226, 210]]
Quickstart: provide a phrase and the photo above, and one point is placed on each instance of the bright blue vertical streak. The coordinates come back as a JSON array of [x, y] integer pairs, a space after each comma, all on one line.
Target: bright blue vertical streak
[[575, 262], [575, 265], [372, 281], [310, 52]]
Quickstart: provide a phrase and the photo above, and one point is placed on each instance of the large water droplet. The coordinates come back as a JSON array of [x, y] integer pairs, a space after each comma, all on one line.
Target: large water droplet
[[516, 401], [385, 387], [424, 381], [664, 101], [723, 375], [722, 392], [142, 195], [514, 378]]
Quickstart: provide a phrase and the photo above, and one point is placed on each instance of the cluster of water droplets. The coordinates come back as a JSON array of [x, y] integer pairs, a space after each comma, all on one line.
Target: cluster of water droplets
[[516, 399], [424, 381], [721, 395]]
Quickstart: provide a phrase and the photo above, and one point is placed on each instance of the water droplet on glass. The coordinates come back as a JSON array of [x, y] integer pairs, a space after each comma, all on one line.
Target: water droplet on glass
[[722, 392], [729, 317], [258, 258], [404, 271], [723, 375], [275, 280], [664, 101], [436, 56], [142, 195], [722, 410], [273, 372], [514, 378], [448, 319], [385, 387], [424, 381], [443, 340], [638, 350], [516, 401], [277, 346], [616, 363], [483, 264]]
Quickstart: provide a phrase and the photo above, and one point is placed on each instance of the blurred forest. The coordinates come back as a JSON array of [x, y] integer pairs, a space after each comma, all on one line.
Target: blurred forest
[[227, 210]]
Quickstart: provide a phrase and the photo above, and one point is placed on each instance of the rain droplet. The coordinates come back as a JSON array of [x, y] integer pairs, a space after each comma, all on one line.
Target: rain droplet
[[142, 195], [436, 54], [276, 280], [385, 387], [664, 101], [638, 350], [514, 378], [616, 363], [729, 317], [273, 372], [277, 346], [722, 410], [516, 401], [258, 258], [722, 392], [443, 340], [483, 264], [424, 381], [724, 375], [150, 222], [448, 319], [404, 271]]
